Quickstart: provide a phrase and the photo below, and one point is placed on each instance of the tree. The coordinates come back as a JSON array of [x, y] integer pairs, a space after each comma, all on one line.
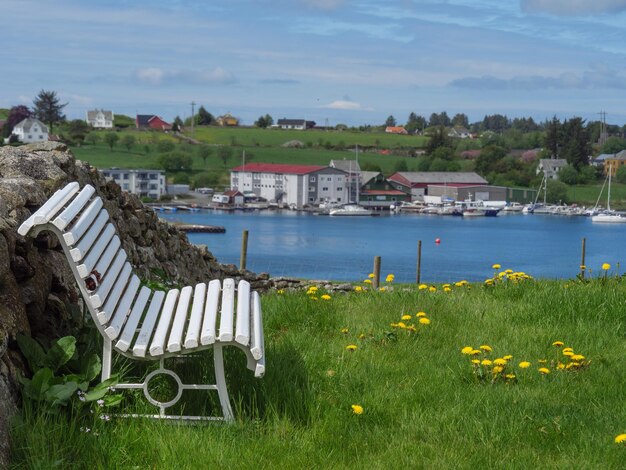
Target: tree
[[177, 124], [48, 109], [440, 119], [77, 130], [264, 121], [557, 192], [204, 118], [128, 141], [614, 145], [111, 139], [175, 161], [460, 120], [16, 115], [576, 145], [401, 166], [438, 138], [620, 174], [204, 152], [92, 138], [225, 153], [415, 123], [552, 138], [568, 175], [488, 159], [390, 122], [165, 146]]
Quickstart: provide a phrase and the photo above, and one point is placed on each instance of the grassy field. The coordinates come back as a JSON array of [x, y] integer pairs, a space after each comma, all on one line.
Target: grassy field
[[424, 405], [588, 195]]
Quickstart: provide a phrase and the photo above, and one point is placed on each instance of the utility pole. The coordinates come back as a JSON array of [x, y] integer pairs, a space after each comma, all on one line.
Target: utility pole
[[193, 103], [603, 132]]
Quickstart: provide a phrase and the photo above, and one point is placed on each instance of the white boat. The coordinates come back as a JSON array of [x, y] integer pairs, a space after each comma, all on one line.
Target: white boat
[[350, 210], [512, 207], [608, 216]]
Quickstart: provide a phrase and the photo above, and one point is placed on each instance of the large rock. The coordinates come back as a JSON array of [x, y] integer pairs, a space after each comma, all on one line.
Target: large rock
[[36, 284]]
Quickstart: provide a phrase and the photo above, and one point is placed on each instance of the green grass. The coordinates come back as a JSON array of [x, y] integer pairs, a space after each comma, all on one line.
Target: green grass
[[423, 407], [588, 194]]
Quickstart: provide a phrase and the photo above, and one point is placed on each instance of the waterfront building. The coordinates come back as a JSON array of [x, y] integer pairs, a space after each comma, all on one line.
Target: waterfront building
[[416, 183], [353, 171], [100, 119], [144, 183], [377, 192], [31, 130], [293, 185]]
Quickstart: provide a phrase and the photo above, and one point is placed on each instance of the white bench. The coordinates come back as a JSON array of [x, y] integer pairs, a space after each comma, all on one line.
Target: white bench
[[142, 324]]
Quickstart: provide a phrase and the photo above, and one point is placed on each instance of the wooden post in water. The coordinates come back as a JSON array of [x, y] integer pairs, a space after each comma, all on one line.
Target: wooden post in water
[[419, 262], [376, 280], [244, 250], [582, 259]]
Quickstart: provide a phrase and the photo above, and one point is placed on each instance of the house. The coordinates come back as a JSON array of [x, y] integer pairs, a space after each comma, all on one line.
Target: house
[[353, 171], [459, 133], [151, 121], [417, 183], [550, 167], [31, 130], [396, 130], [295, 124], [144, 183], [293, 185], [613, 162], [227, 120], [100, 119], [600, 159], [377, 192], [235, 197]]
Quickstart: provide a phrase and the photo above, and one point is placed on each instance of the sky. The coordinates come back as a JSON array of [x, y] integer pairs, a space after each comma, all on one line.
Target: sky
[[330, 61]]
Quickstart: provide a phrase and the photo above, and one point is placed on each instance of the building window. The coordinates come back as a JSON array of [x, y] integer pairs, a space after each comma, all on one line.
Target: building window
[[312, 179], [126, 176], [339, 189], [324, 189], [311, 189]]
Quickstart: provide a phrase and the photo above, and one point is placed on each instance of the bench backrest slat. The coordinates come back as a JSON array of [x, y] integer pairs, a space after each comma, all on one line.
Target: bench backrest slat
[[242, 326], [195, 319], [72, 210], [107, 257], [50, 208], [130, 328], [158, 341], [80, 250], [208, 333], [147, 327], [256, 340], [83, 223], [106, 311], [180, 320], [120, 315], [98, 297], [227, 310], [96, 250]]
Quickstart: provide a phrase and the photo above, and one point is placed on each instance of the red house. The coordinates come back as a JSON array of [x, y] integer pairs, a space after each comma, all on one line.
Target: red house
[[152, 121]]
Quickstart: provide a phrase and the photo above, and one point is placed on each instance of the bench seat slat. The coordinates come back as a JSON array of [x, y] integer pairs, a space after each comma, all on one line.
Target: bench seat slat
[[242, 326], [130, 328], [94, 254], [257, 346], [208, 334], [72, 210], [83, 222], [227, 310], [180, 320], [158, 342], [98, 297], [50, 208], [106, 312], [80, 250], [120, 315], [147, 328], [195, 318]]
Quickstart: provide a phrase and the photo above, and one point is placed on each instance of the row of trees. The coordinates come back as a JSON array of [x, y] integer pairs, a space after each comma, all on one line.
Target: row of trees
[[47, 107]]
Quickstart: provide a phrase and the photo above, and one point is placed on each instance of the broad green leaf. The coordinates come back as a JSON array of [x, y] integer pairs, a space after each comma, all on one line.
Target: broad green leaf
[[113, 400], [32, 350], [39, 384], [101, 389], [59, 394], [61, 352], [91, 368]]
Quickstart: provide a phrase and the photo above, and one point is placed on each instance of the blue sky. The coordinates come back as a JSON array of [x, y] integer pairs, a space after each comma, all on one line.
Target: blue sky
[[353, 62]]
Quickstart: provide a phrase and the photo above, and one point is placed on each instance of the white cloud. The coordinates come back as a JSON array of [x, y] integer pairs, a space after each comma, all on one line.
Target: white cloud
[[346, 105], [152, 76], [157, 76], [77, 99], [573, 7]]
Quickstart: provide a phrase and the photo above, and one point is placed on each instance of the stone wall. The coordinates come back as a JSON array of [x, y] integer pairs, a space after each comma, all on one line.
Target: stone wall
[[36, 284]]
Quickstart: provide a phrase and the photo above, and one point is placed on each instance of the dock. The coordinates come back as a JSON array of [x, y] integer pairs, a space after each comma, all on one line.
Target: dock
[[191, 228]]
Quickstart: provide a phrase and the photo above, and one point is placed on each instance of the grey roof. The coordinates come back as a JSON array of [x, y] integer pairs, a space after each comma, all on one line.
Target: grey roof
[[28, 123], [552, 164], [620, 155], [291, 122], [604, 156], [91, 115], [434, 177], [346, 165], [367, 176]]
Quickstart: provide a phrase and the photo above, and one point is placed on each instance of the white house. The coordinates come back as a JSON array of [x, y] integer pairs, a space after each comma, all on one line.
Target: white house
[[144, 183], [31, 130], [100, 119], [551, 167], [295, 124], [298, 185]]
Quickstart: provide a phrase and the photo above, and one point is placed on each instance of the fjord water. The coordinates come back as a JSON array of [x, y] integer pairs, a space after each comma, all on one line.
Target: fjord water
[[286, 243]]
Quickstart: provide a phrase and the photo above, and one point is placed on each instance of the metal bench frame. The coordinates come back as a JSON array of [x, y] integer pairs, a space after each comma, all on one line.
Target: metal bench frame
[[126, 313]]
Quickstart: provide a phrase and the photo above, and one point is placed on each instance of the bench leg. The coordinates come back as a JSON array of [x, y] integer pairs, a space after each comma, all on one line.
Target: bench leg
[[220, 380], [106, 359]]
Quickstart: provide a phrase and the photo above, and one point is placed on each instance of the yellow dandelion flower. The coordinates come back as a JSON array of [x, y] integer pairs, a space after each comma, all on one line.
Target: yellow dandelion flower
[[382, 289], [445, 285], [313, 289], [326, 297], [542, 361], [560, 366], [621, 438], [358, 289], [510, 376], [475, 352], [606, 266], [393, 325], [313, 298], [467, 350], [357, 409], [568, 349], [577, 357], [362, 336], [558, 344], [495, 266], [390, 278], [544, 370], [420, 314], [280, 292], [458, 284], [401, 325], [489, 282], [568, 353], [486, 362], [508, 271], [447, 289], [583, 267], [476, 361], [497, 369], [411, 328], [406, 317], [344, 331], [424, 321], [486, 347], [575, 364], [508, 357], [432, 289], [370, 275], [422, 287], [351, 347], [524, 364], [500, 362], [367, 281]]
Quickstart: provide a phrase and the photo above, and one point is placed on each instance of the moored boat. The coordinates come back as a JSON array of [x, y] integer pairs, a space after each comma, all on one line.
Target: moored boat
[[350, 210]]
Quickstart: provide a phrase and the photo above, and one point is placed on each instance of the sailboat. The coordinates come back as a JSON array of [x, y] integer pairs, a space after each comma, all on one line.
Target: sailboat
[[608, 216]]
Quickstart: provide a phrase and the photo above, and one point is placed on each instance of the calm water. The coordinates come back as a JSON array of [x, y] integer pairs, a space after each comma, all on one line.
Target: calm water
[[343, 248]]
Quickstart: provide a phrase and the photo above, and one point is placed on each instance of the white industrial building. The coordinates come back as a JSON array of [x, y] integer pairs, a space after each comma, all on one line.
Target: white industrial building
[[144, 183], [297, 185]]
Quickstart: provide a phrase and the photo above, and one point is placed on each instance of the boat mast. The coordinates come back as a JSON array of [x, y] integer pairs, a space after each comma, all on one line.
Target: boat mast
[[358, 174], [608, 197]]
